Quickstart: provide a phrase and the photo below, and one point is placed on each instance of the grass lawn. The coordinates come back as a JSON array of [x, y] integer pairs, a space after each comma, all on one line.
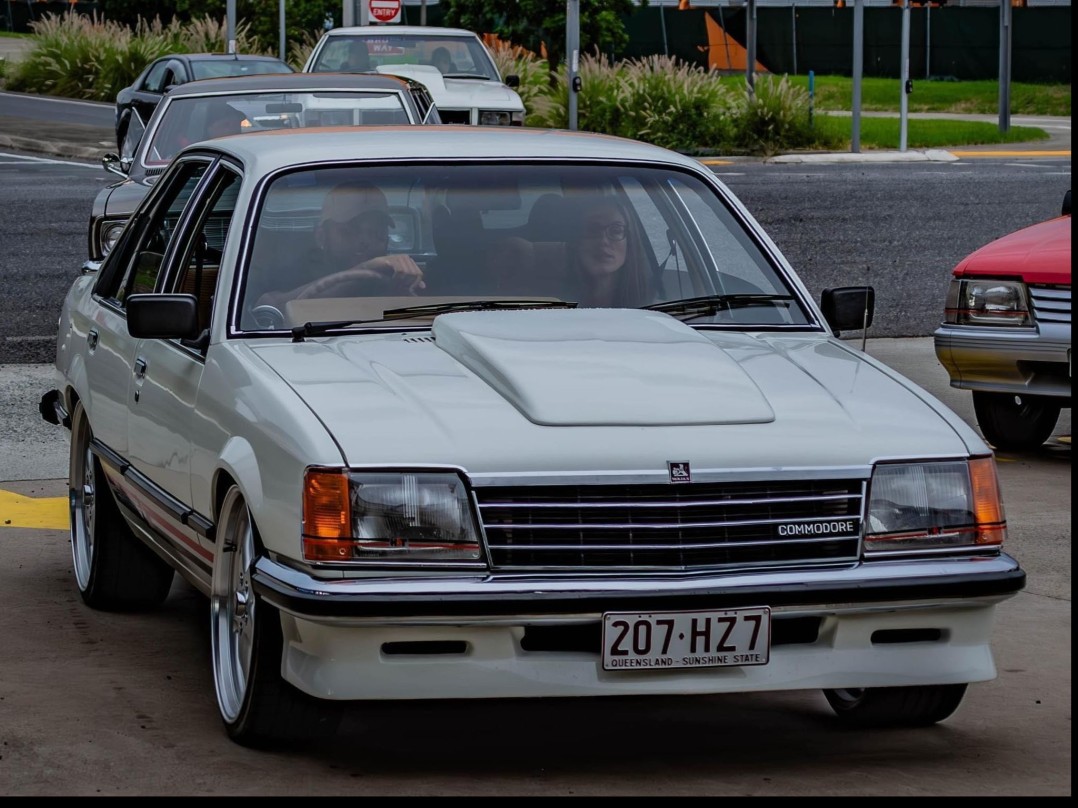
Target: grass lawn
[[963, 97], [883, 133]]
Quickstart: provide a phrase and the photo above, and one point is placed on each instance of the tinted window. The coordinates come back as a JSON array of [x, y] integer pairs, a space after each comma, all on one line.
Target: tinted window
[[237, 67], [598, 236], [136, 264]]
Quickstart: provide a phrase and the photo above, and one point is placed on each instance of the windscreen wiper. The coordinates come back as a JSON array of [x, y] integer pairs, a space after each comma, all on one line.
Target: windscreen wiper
[[312, 329], [475, 305], [712, 304]]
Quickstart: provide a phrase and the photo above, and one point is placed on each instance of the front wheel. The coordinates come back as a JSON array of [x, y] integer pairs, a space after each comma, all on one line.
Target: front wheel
[[258, 707], [1015, 422], [917, 706]]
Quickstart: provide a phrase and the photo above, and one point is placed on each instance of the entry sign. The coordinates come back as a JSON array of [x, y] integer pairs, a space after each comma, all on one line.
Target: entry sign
[[384, 10]]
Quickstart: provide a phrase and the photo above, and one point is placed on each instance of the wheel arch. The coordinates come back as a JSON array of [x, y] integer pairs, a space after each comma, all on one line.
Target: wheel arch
[[238, 465]]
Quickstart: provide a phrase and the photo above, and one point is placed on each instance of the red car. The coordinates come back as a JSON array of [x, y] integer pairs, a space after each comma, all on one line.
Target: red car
[[1006, 334]]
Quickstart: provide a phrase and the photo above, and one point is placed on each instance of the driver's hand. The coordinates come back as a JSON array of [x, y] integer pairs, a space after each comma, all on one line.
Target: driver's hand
[[398, 270]]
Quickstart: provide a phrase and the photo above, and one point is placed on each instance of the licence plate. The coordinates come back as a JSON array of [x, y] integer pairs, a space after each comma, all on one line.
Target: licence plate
[[703, 639]]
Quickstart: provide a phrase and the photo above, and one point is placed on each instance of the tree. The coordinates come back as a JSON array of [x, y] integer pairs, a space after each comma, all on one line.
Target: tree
[[539, 25]]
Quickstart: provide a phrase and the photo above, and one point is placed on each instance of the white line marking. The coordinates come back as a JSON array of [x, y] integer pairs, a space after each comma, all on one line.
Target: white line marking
[[92, 104], [18, 158], [30, 339]]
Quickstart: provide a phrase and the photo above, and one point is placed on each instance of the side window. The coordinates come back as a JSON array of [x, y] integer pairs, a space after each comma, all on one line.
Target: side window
[[133, 135], [427, 111], [138, 264], [155, 79], [199, 263]]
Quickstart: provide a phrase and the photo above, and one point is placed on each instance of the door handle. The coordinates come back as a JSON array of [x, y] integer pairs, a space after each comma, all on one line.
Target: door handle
[[140, 368], [91, 338]]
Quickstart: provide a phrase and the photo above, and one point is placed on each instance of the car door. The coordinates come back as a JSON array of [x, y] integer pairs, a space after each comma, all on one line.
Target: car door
[[161, 76], [134, 266], [168, 373]]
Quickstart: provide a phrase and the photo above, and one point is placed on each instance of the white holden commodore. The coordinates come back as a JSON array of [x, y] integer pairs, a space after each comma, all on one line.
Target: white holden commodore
[[468, 412]]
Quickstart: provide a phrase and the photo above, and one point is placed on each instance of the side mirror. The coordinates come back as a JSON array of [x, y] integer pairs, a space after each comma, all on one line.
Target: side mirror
[[848, 308], [113, 164], [1066, 211], [162, 316], [512, 81]]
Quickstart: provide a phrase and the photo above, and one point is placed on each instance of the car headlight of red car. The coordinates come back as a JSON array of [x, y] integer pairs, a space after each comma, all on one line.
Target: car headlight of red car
[[976, 301], [389, 518], [934, 507]]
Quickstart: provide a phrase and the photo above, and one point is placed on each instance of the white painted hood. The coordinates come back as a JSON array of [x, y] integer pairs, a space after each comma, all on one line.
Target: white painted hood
[[449, 93], [577, 390]]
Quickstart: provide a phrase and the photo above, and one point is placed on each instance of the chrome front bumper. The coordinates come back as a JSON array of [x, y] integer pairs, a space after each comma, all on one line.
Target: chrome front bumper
[[997, 360]]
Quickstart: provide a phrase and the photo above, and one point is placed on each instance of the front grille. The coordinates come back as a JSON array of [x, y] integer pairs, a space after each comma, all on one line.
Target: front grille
[[684, 526], [455, 115], [1051, 304]]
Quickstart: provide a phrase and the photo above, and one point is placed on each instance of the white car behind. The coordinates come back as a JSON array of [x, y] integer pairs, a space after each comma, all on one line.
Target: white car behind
[[470, 90]]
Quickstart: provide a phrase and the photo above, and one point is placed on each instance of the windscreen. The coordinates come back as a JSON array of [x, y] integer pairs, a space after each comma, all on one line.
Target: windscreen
[[351, 243], [191, 119], [456, 57]]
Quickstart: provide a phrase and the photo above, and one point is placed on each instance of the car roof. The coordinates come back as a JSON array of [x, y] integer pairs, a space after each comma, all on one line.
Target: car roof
[[291, 81], [215, 57], [400, 30], [264, 152]]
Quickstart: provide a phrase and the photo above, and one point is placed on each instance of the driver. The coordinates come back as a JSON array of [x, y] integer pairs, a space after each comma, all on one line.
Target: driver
[[351, 257]]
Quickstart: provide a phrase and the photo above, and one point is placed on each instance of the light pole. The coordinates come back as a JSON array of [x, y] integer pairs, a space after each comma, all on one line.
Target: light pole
[[907, 84], [1004, 65], [750, 44], [280, 24], [230, 26], [858, 65], [572, 55]]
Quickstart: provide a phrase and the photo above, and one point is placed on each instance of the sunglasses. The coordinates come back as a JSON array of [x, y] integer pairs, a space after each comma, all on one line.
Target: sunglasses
[[611, 232]]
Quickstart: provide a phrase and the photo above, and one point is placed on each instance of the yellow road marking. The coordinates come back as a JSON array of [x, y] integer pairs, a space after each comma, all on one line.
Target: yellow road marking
[[49, 513], [717, 162]]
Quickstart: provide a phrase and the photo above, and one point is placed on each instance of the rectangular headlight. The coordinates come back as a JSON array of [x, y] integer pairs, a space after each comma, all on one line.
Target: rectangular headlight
[[937, 507], [389, 518], [493, 117], [973, 301]]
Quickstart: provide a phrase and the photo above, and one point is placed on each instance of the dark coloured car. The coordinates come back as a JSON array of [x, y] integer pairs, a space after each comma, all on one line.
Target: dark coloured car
[[209, 108], [1006, 334], [144, 94]]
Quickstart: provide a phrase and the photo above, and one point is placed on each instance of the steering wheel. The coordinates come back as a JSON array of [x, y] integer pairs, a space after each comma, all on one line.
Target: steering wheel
[[268, 317]]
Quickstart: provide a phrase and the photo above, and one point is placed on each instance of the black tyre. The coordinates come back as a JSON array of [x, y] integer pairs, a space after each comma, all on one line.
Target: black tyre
[[1014, 422], [121, 133], [917, 706], [114, 570], [258, 707]]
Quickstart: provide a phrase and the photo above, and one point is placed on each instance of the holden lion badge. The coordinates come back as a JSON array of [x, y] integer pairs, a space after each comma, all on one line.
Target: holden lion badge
[[679, 472]]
